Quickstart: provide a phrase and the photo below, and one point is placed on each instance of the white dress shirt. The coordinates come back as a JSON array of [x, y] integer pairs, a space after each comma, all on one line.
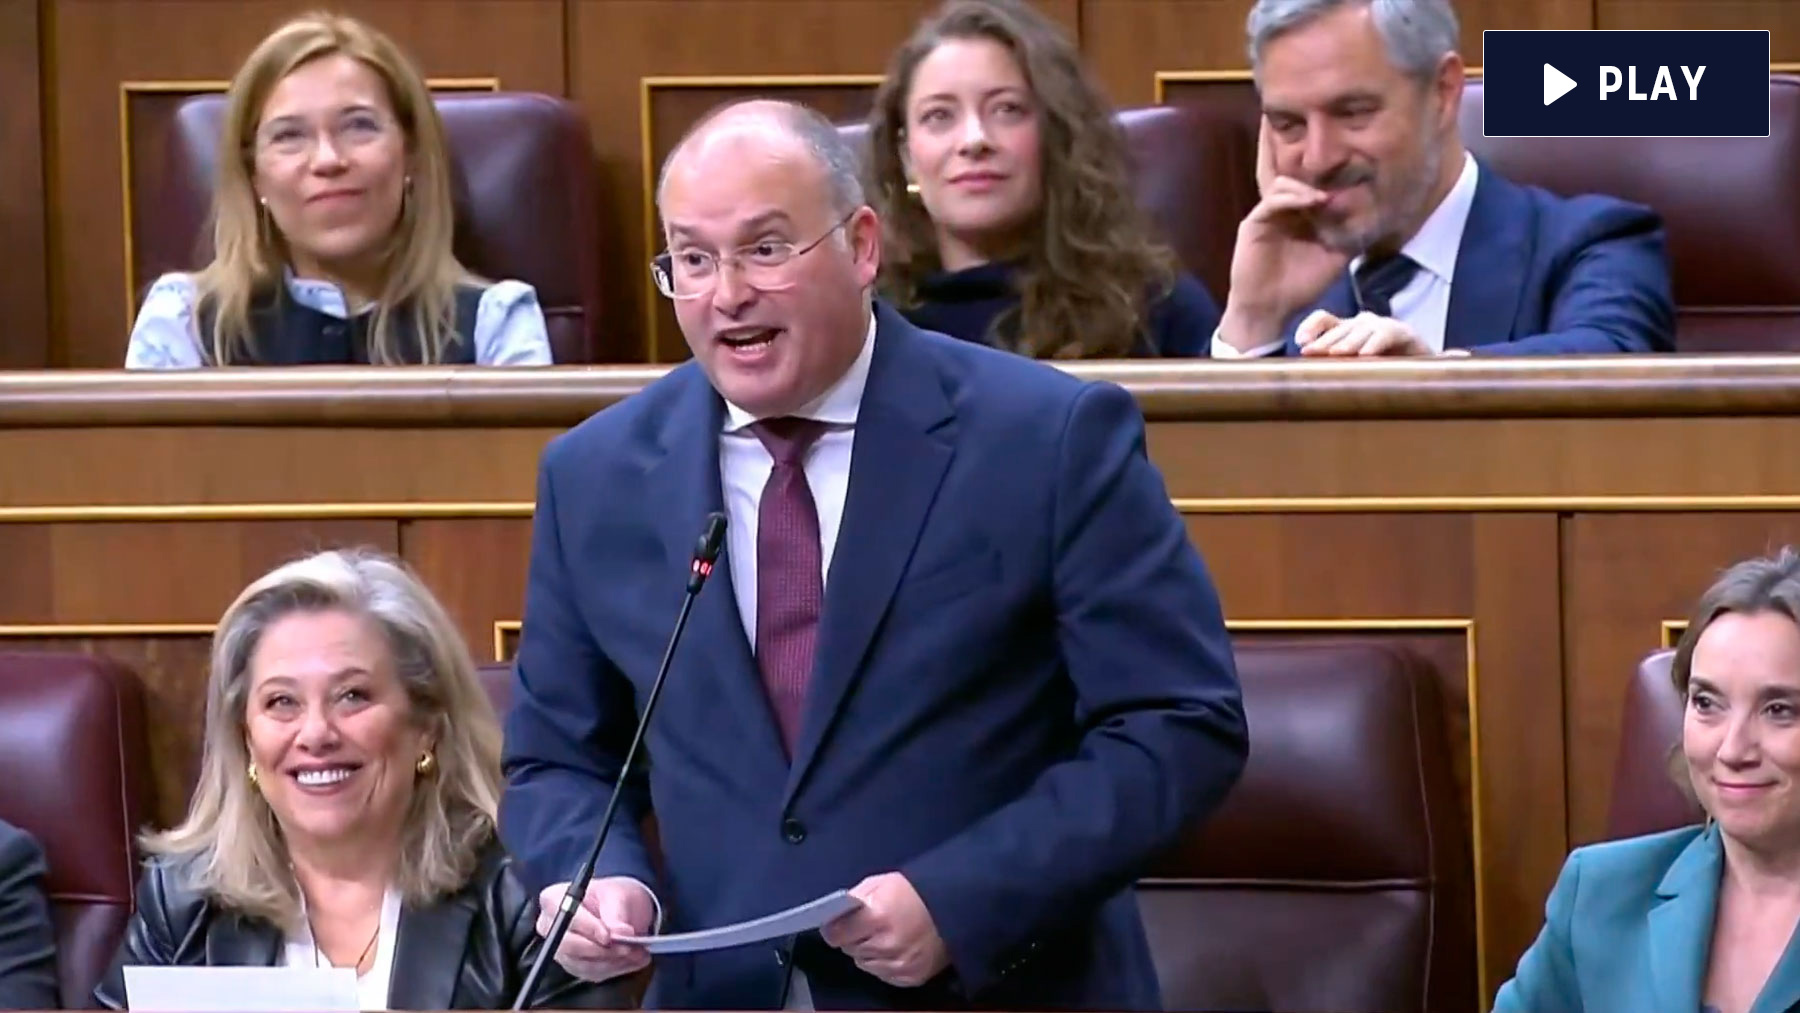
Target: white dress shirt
[[371, 988], [745, 464], [1424, 304], [744, 467]]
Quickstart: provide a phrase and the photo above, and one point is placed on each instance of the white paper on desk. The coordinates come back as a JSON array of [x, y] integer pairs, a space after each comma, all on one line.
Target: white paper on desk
[[802, 918], [241, 989]]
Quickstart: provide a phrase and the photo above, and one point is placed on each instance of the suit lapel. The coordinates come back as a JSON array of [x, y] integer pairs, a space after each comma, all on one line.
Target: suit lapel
[[428, 949], [903, 445], [1681, 924], [1490, 264], [684, 480]]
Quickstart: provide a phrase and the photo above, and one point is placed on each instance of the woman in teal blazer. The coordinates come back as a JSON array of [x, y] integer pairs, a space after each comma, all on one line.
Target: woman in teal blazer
[[1701, 919]]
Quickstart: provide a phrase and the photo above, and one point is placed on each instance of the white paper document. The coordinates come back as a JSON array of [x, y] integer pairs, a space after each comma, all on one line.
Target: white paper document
[[802, 918], [241, 989]]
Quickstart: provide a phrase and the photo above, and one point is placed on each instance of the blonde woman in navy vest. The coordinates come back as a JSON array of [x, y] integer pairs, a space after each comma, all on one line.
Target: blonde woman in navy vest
[[332, 225]]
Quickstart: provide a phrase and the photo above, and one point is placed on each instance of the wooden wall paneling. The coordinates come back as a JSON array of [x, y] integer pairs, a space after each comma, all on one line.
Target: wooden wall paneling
[[24, 283], [156, 468], [476, 567], [1625, 575], [1780, 17], [1125, 42], [149, 595], [98, 57], [1128, 42], [1515, 566], [630, 55], [155, 572]]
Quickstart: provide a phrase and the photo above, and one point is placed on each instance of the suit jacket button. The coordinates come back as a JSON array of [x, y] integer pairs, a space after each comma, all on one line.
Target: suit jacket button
[[793, 830]]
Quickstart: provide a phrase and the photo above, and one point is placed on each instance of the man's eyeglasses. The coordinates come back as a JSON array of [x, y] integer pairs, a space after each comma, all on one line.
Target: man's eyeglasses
[[691, 272]]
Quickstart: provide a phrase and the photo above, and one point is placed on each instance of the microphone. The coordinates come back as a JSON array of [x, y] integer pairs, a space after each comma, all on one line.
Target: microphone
[[706, 553]]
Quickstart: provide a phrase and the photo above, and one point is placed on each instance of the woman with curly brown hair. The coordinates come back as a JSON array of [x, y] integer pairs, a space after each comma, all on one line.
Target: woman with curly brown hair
[[1004, 181]]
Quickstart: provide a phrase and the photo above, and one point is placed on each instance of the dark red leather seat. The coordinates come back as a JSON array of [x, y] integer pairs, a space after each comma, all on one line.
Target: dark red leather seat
[[526, 195], [1645, 797], [74, 760], [1337, 876]]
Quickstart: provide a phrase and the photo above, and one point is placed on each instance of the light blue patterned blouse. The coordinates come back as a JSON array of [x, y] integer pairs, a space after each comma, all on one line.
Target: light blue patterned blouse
[[509, 325]]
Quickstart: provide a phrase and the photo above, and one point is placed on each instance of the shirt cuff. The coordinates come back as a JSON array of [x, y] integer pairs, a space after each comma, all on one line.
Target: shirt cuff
[[1222, 349]]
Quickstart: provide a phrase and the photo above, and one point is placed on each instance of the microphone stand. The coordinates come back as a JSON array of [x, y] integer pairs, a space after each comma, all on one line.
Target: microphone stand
[[706, 553]]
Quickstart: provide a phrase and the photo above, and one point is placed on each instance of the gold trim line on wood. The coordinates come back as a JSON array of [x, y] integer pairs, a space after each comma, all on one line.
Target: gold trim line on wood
[[501, 628], [128, 208], [652, 298], [1162, 78], [646, 136], [1391, 624], [107, 629], [1672, 629], [261, 512]]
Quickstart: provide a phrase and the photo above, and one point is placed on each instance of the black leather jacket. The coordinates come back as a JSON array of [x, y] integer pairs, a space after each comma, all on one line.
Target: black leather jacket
[[469, 950]]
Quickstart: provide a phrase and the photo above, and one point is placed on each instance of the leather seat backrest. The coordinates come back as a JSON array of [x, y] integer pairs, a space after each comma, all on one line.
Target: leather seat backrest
[[496, 679], [73, 753], [1728, 206], [526, 200], [1337, 875], [1645, 796]]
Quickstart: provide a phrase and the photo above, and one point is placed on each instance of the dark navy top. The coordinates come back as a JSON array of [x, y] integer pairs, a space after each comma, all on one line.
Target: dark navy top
[[964, 303]]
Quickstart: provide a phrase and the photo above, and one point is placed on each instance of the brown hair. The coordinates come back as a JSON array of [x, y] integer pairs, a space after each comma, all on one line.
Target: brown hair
[[421, 273], [1093, 267], [1764, 584]]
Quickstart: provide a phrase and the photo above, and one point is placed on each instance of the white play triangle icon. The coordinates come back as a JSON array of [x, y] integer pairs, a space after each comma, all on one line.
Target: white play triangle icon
[[1556, 84]]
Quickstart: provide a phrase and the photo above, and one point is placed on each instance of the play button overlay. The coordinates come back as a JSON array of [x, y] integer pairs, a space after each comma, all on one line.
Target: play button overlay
[[1556, 84], [1624, 83]]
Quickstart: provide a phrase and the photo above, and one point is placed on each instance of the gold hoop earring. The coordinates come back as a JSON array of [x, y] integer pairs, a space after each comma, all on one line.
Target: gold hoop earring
[[912, 188], [254, 783], [427, 763]]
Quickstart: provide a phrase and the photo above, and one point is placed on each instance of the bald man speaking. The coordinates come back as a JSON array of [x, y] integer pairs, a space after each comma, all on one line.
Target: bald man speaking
[[960, 657]]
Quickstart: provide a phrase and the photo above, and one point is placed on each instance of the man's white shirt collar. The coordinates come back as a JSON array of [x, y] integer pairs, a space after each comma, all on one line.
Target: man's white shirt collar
[[840, 402], [1435, 245]]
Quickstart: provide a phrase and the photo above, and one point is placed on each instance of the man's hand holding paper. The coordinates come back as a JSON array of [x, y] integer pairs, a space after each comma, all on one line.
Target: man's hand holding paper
[[891, 936], [614, 906]]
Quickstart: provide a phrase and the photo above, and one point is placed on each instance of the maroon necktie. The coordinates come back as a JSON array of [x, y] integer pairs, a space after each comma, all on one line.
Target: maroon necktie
[[790, 586]]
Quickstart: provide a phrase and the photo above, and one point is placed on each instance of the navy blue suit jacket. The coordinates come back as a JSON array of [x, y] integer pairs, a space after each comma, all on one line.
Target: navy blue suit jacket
[[1539, 274], [1023, 691], [28, 969]]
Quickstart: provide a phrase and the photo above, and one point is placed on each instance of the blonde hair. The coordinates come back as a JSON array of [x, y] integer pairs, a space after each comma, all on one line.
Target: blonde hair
[[230, 841], [421, 270]]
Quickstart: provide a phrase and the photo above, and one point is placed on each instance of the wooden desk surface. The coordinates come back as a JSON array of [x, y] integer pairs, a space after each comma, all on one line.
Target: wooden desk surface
[[1532, 527]]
